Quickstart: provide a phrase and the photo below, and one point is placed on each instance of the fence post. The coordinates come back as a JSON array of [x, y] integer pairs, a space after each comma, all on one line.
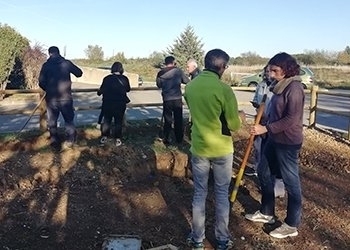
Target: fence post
[[349, 130], [313, 106], [42, 116]]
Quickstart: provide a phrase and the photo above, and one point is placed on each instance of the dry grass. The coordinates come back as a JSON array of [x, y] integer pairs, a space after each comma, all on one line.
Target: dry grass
[[325, 76], [332, 76]]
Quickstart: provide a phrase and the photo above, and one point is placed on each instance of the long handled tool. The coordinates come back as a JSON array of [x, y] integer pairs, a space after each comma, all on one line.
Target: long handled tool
[[247, 152], [33, 112]]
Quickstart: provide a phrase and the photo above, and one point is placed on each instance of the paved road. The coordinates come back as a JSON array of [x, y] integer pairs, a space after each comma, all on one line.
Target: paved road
[[13, 123]]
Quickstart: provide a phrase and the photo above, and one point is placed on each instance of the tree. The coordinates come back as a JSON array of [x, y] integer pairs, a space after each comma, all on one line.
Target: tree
[[94, 53], [186, 47], [34, 57], [119, 57], [343, 58], [250, 58], [347, 50], [12, 47], [304, 58], [156, 59]]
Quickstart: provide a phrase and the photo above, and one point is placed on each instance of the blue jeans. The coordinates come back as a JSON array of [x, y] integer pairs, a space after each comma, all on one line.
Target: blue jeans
[[222, 170], [284, 159], [65, 107]]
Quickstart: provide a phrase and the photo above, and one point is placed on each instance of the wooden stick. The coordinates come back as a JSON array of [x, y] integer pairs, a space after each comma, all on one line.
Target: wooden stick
[[247, 152]]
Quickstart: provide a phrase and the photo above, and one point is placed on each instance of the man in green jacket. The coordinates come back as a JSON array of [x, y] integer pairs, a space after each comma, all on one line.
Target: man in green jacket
[[214, 112]]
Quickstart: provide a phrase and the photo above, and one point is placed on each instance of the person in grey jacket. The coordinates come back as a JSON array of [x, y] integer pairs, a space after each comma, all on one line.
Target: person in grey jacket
[[169, 79], [55, 80]]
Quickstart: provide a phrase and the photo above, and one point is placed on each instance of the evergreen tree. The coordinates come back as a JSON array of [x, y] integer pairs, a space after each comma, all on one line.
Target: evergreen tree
[[12, 47], [187, 46]]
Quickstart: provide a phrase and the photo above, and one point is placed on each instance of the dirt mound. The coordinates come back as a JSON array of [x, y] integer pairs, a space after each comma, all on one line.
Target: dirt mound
[[74, 198]]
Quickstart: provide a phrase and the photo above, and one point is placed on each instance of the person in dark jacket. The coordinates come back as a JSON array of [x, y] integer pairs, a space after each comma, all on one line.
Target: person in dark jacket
[[285, 137], [113, 89], [55, 80], [169, 79], [192, 68]]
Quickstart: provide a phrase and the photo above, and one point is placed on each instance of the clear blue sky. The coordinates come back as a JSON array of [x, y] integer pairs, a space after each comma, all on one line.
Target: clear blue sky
[[139, 27]]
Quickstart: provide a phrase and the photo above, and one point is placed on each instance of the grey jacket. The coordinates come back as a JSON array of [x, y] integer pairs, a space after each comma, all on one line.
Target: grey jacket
[[55, 79], [169, 80]]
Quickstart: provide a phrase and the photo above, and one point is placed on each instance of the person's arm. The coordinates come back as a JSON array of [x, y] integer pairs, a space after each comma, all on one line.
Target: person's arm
[[75, 70], [127, 84], [158, 81], [230, 109], [100, 91], [184, 78], [43, 78]]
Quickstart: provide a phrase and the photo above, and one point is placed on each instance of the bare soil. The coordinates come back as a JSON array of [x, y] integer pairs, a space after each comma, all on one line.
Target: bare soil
[[75, 198]]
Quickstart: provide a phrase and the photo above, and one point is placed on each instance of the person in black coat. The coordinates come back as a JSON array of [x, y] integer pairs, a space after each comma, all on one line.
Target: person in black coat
[[55, 80], [113, 89]]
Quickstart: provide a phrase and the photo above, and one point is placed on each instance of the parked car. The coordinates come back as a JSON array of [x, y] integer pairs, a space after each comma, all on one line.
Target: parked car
[[306, 75]]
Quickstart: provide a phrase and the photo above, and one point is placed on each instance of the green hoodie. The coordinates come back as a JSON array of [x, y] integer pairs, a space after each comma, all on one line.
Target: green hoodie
[[214, 113]]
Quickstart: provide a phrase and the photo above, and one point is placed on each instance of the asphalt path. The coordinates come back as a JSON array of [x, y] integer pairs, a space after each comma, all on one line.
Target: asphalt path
[[13, 123]]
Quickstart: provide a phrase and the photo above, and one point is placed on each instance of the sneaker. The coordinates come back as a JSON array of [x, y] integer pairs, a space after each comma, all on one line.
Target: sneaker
[[98, 126], [284, 231], [259, 217], [118, 142], [194, 244], [67, 145], [279, 188], [250, 172], [223, 245], [103, 140]]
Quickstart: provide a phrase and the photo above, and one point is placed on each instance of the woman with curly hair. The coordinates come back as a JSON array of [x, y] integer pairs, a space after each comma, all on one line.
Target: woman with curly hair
[[285, 136]]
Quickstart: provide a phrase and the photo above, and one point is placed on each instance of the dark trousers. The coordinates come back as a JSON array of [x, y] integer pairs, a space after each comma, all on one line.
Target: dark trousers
[[65, 107], [172, 113], [286, 160], [100, 117], [112, 111]]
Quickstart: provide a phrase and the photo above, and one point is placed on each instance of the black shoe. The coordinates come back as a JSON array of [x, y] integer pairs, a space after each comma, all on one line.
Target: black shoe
[[250, 172], [55, 145]]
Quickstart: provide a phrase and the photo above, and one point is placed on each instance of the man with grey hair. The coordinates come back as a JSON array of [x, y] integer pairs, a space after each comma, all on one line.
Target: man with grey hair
[[214, 111], [192, 68]]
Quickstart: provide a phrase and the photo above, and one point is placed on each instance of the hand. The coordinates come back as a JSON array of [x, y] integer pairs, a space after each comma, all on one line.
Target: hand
[[258, 130]]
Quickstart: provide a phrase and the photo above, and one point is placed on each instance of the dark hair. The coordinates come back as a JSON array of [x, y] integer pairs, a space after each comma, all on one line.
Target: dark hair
[[287, 63], [54, 50], [117, 67], [169, 60], [215, 58]]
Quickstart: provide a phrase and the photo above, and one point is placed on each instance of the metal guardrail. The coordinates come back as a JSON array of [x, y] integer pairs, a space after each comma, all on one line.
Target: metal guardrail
[[312, 108]]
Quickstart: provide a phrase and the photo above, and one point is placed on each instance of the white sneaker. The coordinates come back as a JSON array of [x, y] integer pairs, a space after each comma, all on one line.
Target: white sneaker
[[259, 217], [279, 188], [98, 126], [118, 142], [284, 231], [103, 140]]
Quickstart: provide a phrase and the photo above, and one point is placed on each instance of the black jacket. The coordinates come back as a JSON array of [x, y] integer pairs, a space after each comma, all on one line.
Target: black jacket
[[55, 79], [194, 73], [114, 88], [169, 80]]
